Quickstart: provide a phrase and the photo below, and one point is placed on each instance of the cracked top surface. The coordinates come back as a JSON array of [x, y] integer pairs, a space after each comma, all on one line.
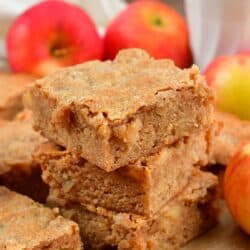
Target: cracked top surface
[[25, 224], [120, 87], [12, 85]]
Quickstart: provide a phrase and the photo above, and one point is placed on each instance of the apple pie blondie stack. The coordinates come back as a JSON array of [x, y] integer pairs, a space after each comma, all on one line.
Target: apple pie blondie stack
[[127, 140]]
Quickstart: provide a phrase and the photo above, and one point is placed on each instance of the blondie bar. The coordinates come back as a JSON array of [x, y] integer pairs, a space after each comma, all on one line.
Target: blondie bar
[[111, 113], [139, 188], [232, 131], [12, 87], [191, 213], [18, 169], [26, 225]]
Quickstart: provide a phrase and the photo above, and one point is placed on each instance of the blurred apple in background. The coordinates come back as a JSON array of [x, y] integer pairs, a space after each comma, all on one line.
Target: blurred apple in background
[[51, 35], [229, 76], [153, 26], [237, 187]]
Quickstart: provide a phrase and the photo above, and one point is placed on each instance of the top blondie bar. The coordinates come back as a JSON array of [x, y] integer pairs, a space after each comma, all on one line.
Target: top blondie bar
[[113, 112]]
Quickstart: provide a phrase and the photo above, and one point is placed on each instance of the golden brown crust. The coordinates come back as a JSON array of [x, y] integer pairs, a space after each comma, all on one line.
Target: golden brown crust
[[26, 225], [120, 88]]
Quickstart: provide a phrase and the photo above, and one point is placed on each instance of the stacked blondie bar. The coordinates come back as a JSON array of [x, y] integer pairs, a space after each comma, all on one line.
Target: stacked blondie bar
[[19, 170], [12, 86], [27, 225], [127, 140]]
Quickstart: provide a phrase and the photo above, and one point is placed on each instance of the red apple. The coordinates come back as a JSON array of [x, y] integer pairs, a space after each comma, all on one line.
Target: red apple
[[152, 26], [237, 186], [50, 35], [229, 76]]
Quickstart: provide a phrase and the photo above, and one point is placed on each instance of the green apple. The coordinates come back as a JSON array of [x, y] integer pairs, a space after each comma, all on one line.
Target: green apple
[[229, 76]]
